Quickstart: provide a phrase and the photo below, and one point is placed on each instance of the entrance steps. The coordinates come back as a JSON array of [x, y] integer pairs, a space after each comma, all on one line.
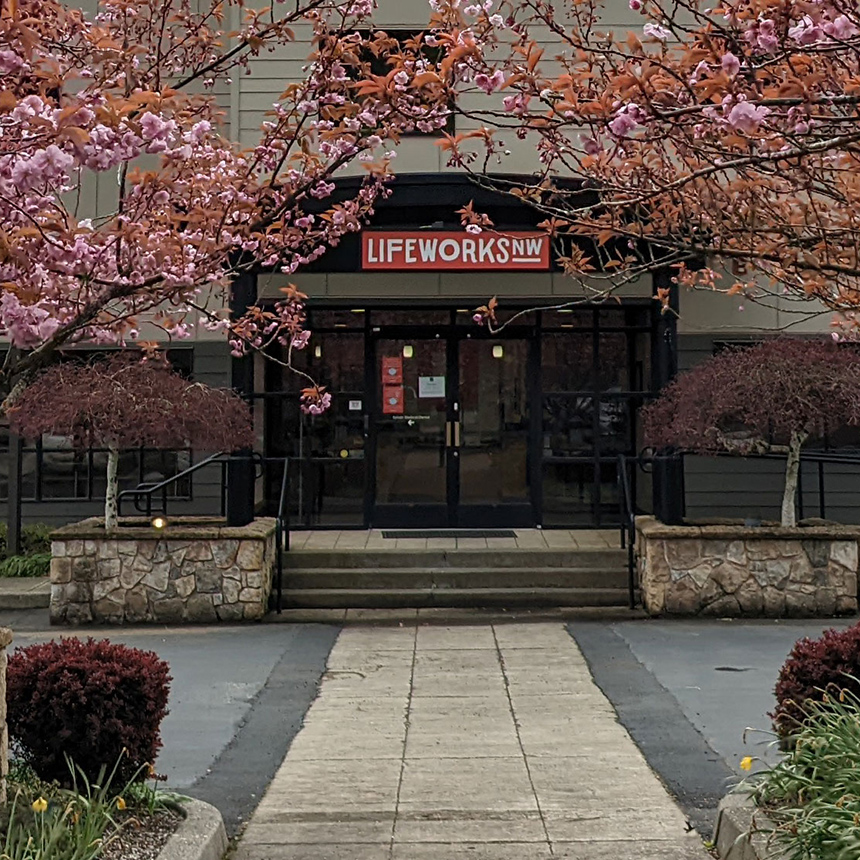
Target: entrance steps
[[477, 578]]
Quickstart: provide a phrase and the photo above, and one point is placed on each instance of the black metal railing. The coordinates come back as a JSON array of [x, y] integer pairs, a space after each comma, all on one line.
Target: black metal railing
[[627, 520], [282, 533], [146, 492]]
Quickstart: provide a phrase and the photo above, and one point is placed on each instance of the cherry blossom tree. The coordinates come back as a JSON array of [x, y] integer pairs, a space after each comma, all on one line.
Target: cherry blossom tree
[[721, 139], [128, 94], [124, 402], [773, 397]]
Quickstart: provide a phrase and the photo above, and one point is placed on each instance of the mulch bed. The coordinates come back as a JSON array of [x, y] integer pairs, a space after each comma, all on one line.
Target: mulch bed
[[143, 836]]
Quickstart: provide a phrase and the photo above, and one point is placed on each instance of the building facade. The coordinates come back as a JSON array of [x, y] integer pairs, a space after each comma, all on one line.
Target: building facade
[[436, 421]]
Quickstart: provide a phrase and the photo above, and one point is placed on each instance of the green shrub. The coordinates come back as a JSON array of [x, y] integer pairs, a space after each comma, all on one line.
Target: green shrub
[[813, 795], [26, 565], [35, 539]]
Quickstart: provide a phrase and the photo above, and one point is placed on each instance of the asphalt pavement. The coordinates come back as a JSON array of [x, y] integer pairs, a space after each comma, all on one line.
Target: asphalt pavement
[[237, 698], [695, 695]]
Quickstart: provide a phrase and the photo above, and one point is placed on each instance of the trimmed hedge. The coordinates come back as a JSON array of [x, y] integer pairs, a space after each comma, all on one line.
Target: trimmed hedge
[[813, 668], [94, 702]]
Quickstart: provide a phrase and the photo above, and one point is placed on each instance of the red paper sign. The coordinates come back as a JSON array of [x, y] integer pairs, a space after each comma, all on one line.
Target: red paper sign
[[392, 370], [431, 250], [392, 399]]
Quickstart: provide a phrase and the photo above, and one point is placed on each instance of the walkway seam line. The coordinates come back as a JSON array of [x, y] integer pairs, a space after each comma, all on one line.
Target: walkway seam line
[[519, 738], [407, 719]]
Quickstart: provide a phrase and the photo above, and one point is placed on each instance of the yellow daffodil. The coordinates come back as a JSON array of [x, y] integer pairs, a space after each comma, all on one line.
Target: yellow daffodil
[[40, 804], [120, 803], [746, 762]]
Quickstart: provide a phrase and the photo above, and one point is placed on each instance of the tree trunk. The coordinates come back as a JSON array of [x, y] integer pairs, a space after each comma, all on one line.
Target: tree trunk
[[792, 469], [111, 519]]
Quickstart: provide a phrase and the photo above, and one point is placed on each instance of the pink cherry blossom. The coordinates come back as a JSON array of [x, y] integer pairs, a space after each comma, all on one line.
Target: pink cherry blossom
[[731, 64], [745, 116], [656, 31]]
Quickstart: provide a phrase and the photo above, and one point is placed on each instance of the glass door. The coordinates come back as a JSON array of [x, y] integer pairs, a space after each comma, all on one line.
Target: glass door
[[452, 433], [413, 433], [494, 486]]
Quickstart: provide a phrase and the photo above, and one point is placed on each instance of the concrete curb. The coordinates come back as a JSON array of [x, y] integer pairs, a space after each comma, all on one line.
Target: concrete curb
[[732, 837], [201, 836]]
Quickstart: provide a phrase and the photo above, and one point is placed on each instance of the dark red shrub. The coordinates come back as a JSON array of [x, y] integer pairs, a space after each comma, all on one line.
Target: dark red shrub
[[812, 667], [88, 700]]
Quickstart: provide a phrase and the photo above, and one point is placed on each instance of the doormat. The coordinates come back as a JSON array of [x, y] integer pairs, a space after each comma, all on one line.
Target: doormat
[[452, 533]]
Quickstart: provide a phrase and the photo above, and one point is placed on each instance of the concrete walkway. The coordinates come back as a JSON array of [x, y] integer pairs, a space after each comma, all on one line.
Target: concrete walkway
[[485, 742]]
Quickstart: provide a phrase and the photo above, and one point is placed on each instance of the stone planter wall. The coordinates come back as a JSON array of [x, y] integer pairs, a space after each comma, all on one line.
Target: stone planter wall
[[194, 570], [730, 570], [5, 642]]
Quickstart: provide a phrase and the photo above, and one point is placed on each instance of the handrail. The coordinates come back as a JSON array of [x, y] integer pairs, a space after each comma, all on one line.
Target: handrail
[[282, 533], [628, 526], [148, 489]]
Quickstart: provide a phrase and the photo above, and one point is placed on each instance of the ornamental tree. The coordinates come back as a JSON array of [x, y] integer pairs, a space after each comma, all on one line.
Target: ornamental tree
[[123, 402], [773, 397], [128, 94], [725, 134]]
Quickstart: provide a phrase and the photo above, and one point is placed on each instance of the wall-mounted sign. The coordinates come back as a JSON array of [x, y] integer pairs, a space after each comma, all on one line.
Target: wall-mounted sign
[[392, 399], [392, 370], [431, 386], [431, 250], [355, 406]]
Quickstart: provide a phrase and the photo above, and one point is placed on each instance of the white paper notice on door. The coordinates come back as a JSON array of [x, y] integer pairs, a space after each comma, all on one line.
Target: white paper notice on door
[[431, 386]]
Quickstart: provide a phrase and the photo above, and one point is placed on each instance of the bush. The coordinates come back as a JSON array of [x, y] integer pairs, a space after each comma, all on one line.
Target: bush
[[813, 667], [26, 565], [35, 539], [812, 797], [87, 701]]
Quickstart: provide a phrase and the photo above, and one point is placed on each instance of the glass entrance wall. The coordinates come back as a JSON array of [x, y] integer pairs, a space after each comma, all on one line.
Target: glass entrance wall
[[595, 374], [539, 415], [327, 470]]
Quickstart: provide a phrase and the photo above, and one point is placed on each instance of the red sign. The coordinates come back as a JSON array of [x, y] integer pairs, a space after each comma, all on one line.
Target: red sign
[[392, 370], [392, 399], [431, 250]]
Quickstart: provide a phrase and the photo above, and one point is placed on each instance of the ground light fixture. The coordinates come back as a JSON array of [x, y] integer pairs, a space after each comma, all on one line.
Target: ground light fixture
[[159, 523]]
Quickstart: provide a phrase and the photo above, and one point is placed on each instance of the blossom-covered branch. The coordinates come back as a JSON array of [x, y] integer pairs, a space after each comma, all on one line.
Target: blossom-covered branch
[[720, 134]]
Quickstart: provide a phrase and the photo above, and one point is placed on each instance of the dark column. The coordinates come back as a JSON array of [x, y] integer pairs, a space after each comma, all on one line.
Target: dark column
[[668, 478], [13, 503], [240, 469]]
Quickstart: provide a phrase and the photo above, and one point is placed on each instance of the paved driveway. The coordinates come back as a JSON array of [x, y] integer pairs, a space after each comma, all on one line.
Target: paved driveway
[[237, 699], [695, 695]]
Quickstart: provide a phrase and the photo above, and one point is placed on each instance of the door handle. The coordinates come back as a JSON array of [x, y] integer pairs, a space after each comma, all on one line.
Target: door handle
[[456, 434], [447, 434]]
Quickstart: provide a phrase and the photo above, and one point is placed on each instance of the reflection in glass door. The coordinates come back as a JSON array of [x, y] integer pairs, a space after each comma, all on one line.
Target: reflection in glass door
[[412, 432]]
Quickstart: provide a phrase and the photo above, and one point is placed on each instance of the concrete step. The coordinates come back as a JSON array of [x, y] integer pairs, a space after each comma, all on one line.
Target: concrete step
[[305, 559], [25, 592], [455, 577], [385, 598]]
